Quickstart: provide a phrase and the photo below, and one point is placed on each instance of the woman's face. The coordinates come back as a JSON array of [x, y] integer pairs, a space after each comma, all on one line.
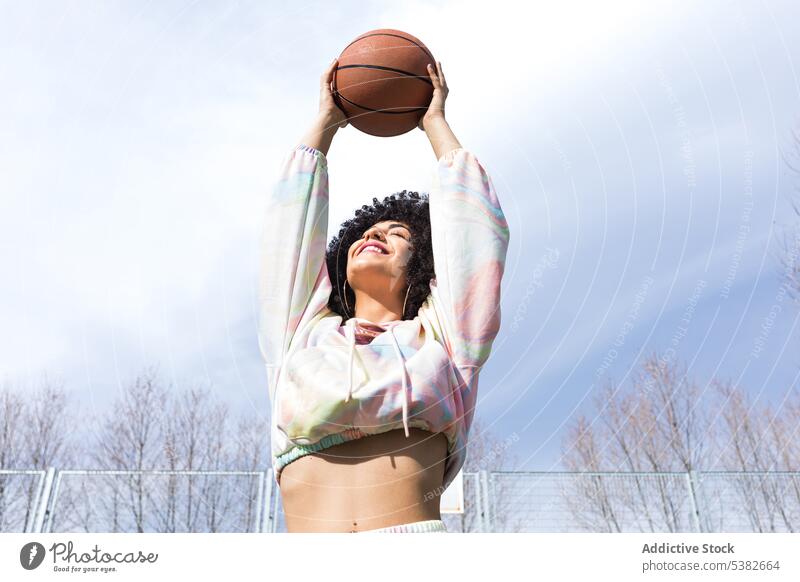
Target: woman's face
[[382, 266]]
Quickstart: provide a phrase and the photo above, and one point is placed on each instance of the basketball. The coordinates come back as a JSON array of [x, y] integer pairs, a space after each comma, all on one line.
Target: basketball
[[382, 83]]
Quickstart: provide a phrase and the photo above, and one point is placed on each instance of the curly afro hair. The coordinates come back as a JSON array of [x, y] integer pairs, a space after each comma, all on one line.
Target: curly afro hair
[[405, 206]]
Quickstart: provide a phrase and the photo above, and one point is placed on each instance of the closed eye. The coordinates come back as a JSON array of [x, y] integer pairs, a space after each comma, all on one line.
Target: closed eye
[[401, 234]]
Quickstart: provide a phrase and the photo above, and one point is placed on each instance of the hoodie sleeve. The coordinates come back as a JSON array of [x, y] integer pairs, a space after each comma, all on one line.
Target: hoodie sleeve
[[470, 239], [293, 275]]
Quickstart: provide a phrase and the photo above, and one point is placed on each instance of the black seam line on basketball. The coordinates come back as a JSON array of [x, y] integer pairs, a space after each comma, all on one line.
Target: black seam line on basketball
[[353, 103], [393, 70], [416, 44]]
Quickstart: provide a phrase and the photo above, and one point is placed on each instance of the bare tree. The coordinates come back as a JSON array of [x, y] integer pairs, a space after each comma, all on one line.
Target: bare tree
[[658, 426], [187, 432], [11, 455], [149, 427], [758, 442], [34, 435], [11, 419], [218, 493], [785, 433], [168, 439], [590, 501], [47, 431], [132, 439], [201, 436], [663, 425], [251, 445], [251, 442]]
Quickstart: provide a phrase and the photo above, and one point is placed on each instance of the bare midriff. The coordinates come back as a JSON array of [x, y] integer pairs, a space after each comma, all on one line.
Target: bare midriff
[[368, 483]]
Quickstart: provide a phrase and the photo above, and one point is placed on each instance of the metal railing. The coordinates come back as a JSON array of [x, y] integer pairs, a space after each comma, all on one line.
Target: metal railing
[[58, 500]]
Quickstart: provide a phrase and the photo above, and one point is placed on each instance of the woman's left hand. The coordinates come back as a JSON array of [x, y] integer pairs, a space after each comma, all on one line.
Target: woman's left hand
[[440, 91]]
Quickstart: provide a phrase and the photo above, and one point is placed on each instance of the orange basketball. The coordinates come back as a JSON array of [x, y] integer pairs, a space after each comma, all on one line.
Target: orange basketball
[[381, 82]]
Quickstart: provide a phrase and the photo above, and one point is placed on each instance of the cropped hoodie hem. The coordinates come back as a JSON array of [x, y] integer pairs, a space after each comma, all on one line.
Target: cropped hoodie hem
[[347, 435]]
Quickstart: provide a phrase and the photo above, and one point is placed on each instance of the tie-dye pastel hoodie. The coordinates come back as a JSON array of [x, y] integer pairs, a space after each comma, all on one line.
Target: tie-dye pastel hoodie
[[326, 388]]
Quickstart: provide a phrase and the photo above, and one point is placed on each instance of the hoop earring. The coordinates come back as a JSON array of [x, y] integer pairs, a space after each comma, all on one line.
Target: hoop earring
[[345, 297], [404, 303]]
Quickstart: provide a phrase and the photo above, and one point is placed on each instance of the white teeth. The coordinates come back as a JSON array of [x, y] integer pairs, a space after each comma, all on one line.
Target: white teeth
[[373, 249]]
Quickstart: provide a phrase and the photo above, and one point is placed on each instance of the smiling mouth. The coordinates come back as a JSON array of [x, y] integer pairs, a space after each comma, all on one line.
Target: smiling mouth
[[373, 250]]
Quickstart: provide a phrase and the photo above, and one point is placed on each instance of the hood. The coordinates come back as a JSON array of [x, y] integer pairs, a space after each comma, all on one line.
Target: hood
[[350, 332]]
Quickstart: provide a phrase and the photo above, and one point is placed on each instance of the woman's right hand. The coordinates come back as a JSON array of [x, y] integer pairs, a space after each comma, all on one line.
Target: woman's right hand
[[327, 107]]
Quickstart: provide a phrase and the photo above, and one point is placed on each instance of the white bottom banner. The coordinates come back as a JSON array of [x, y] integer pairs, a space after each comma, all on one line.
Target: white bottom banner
[[331, 557]]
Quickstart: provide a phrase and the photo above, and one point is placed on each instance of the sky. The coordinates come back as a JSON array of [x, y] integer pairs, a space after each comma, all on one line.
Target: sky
[[636, 149]]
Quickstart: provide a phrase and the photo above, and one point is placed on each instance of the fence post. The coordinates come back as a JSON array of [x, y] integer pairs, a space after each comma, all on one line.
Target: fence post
[[479, 502], [33, 511], [259, 503], [691, 482], [273, 520], [270, 491], [488, 521], [266, 519], [43, 502]]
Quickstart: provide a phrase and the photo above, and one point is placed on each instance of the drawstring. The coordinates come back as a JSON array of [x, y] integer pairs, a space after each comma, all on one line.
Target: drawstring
[[351, 335], [405, 384]]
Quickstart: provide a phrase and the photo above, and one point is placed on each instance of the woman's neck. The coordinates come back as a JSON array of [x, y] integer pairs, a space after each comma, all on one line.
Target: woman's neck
[[375, 310]]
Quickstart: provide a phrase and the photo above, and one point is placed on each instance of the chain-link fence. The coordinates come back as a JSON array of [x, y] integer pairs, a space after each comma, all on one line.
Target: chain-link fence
[[246, 501]]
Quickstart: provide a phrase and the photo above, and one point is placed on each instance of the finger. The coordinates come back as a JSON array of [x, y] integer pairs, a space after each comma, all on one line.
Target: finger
[[432, 74], [440, 72], [327, 76]]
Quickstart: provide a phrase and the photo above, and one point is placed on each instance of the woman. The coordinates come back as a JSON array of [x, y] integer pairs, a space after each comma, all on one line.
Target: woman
[[372, 357]]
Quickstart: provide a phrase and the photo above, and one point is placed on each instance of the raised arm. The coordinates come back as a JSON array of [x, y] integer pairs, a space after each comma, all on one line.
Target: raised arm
[[293, 280], [469, 235], [433, 123], [329, 119]]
